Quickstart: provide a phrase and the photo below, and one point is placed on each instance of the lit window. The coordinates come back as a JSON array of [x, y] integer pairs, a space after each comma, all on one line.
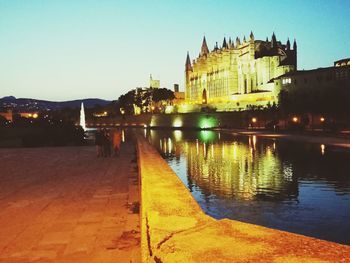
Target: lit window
[[286, 81]]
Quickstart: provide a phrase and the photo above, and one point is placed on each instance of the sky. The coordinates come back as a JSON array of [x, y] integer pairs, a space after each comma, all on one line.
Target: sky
[[74, 49]]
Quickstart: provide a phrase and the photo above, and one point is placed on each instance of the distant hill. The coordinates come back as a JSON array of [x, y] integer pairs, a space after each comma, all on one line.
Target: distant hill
[[27, 104]]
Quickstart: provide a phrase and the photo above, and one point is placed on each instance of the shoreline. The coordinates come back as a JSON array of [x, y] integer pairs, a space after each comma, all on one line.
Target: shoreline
[[319, 138]]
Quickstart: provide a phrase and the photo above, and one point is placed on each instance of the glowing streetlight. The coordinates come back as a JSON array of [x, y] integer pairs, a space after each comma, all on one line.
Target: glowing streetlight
[[295, 119], [322, 119], [254, 120], [35, 115]]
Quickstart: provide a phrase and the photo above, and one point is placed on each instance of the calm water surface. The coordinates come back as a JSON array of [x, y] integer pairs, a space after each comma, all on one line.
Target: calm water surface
[[293, 186]]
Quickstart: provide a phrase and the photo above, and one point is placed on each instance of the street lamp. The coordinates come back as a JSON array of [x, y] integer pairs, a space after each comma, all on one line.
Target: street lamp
[[295, 119], [253, 121]]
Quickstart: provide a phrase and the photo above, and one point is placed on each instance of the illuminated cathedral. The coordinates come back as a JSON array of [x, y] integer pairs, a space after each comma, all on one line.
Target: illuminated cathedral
[[239, 73]]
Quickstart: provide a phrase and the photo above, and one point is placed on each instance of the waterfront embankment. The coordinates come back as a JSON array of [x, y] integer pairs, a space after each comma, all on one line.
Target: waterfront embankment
[[314, 137], [62, 204], [175, 229]]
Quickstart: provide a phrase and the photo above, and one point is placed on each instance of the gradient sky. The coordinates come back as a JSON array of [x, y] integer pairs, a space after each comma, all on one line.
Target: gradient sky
[[73, 49]]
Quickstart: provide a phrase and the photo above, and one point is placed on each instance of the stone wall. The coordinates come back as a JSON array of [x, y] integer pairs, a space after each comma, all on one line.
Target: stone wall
[[181, 120]]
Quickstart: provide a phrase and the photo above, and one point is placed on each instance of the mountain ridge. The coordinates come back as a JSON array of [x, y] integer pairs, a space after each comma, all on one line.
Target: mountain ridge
[[30, 104]]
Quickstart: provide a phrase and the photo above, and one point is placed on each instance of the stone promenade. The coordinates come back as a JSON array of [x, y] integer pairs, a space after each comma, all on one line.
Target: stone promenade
[[65, 205]]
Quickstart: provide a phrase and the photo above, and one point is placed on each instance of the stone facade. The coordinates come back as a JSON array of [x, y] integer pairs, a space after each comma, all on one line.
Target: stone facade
[[321, 78], [238, 71]]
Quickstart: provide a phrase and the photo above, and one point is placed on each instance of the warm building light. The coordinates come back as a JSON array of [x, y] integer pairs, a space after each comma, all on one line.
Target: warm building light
[[295, 119], [177, 123], [322, 119], [323, 147], [35, 115], [254, 120]]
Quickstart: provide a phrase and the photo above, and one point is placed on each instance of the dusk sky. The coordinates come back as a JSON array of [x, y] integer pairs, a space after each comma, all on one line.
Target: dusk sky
[[60, 50]]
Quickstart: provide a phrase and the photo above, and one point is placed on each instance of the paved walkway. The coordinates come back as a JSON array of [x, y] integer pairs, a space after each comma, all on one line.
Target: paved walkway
[[66, 205]]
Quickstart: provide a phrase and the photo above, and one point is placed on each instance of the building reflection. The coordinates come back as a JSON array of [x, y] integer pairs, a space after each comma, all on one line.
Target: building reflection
[[242, 169]]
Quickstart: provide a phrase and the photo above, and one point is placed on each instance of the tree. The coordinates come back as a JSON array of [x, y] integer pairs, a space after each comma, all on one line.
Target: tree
[[163, 94], [127, 102]]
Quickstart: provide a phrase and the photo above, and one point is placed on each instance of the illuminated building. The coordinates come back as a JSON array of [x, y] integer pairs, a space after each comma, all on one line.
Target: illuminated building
[[100, 114], [179, 95], [334, 76], [342, 62], [239, 73], [33, 115], [154, 83], [7, 115]]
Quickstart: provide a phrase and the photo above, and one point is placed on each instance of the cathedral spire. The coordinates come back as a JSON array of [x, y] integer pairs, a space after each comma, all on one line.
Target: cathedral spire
[[238, 41], [295, 45], [224, 44], [204, 49], [251, 36], [188, 62], [216, 46], [273, 40], [244, 40], [288, 44]]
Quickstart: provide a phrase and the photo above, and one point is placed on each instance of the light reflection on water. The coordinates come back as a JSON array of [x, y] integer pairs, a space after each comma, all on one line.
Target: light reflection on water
[[297, 187]]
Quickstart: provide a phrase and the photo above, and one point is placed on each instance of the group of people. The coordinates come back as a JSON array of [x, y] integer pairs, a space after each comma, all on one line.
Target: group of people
[[106, 142]]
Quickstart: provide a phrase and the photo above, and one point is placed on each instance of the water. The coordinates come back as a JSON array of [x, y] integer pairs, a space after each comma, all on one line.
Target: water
[[298, 187]]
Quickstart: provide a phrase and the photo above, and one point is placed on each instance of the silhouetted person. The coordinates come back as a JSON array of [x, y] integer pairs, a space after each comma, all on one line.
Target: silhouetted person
[[98, 143], [106, 144], [117, 137]]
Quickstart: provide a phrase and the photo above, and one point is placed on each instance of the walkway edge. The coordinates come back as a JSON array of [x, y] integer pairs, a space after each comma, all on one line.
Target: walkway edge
[[175, 229]]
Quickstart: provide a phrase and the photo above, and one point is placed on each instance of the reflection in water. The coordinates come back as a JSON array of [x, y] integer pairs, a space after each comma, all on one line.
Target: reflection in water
[[285, 185], [178, 135], [322, 149], [231, 169], [123, 135]]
